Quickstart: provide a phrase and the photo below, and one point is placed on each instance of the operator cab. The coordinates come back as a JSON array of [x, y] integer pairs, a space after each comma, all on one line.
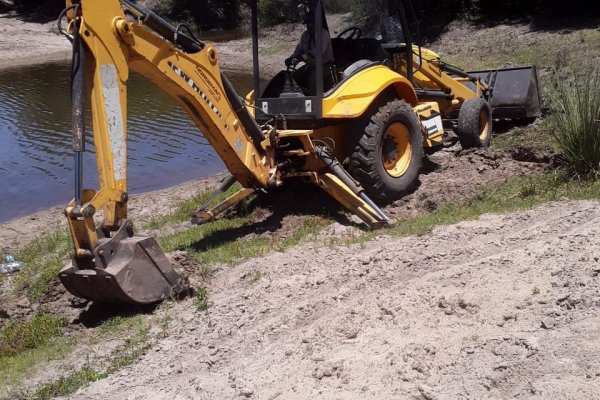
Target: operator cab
[[353, 52]]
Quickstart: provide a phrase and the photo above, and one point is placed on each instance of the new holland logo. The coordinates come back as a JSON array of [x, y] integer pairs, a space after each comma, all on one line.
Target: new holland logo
[[193, 85]]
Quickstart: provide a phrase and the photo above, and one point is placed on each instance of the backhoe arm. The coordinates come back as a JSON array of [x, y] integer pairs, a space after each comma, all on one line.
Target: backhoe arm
[[112, 46]]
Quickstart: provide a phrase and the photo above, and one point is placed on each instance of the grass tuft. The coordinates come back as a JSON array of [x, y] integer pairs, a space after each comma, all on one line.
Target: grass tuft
[[201, 298], [577, 123]]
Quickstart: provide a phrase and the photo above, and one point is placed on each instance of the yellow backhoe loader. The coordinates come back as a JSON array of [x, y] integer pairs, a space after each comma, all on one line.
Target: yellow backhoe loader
[[362, 138]]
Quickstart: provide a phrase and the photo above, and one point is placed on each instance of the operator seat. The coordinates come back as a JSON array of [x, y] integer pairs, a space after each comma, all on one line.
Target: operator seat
[[357, 66], [348, 51]]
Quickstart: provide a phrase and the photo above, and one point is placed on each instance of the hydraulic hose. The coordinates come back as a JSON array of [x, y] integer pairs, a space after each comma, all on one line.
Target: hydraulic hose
[[165, 29], [247, 121], [77, 107]]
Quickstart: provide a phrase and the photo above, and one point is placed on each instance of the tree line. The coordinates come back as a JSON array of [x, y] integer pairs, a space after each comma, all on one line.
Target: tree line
[[209, 14]]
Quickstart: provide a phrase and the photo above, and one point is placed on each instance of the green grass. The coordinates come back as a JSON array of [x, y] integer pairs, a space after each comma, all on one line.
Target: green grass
[[119, 325], [186, 207], [43, 258], [16, 337], [26, 344], [217, 242], [533, 136], [15, 369], [68, 384], [126, 354], [517, 194], [556, 50]]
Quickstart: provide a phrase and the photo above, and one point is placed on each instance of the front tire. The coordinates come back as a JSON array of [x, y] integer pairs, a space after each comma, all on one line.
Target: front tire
[[474, 128], [388, 157]]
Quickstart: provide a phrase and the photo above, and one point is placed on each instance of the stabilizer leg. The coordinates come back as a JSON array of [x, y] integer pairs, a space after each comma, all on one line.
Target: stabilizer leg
[[346, 197], [202, 215]]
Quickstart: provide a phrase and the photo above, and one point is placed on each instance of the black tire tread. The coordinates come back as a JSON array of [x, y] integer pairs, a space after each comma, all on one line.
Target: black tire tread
[[467, 128], [366, 155]]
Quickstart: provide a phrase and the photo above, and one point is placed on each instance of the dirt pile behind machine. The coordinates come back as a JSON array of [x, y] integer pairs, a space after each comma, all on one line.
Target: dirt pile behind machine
[[361, 139]]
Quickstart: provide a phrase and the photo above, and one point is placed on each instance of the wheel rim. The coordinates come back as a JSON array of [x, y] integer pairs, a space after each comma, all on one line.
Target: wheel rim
[[484, 125], [396, 150]]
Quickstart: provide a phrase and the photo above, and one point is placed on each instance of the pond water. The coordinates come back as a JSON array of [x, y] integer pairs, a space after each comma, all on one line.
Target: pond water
[[36, 160]]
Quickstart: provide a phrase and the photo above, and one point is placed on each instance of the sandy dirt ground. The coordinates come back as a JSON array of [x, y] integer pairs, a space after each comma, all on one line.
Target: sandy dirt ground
[[503, 307], [24, 43]]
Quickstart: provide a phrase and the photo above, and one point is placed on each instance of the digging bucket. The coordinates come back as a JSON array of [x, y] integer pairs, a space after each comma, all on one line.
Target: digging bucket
[[515, 92], [125, 268]]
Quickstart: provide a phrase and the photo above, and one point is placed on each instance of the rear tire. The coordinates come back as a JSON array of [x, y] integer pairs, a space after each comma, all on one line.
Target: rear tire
[[474, 127], [388, 157]]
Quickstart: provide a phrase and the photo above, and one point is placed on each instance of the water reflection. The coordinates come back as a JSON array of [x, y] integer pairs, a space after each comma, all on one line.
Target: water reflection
[[36, 172]]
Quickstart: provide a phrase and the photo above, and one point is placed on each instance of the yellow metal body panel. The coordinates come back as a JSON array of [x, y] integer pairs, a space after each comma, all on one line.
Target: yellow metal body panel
[[426, 111], [81, 227], [116, 46], [194, 80], [428, 74], [354, 96]]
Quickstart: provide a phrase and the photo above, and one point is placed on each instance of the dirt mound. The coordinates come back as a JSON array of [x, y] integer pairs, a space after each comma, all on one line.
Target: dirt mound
[[455, 174], [512, 314]]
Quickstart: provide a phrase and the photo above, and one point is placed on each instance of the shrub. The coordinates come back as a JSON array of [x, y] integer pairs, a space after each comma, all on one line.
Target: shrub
[[273, 12], [204, 14], [278, 11], [576, 122]]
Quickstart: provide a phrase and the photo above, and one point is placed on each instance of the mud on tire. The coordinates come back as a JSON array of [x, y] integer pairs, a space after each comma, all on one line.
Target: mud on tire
[[388, 156], [474, 128]]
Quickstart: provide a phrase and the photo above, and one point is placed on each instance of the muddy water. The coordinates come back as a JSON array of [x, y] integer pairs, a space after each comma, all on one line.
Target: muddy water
[[36, 162]]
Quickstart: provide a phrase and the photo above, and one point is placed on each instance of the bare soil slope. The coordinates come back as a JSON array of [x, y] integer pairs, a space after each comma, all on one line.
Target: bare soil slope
[[499, 308]]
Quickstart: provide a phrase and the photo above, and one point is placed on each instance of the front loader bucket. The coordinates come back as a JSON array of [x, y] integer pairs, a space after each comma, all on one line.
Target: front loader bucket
[[515, 92], [126, 268]]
